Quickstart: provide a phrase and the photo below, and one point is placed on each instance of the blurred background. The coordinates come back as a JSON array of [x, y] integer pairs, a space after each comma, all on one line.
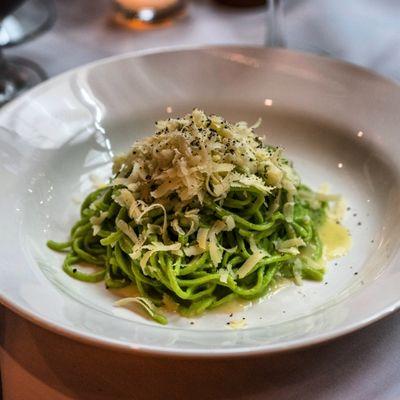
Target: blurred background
[[42, 38]]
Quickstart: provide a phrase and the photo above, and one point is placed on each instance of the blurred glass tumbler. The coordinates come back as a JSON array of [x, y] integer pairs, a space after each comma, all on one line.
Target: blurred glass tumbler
[[142, 14]]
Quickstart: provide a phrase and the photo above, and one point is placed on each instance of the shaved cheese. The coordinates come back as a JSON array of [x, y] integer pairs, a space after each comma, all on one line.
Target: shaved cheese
[[289, 246], [288, 209], [191, 251], [253, 245], [195, 155], [230, 222], [147, 305], [256, 124], [202, 235], [223, 275], [176, 227], [291, 242], [97, 221], [154, 248], [215, 252], [127, 230], [274, 174], [218, 227], [239, 180], [289, 186], [250, 263], [127, 200], [194, 224], [137, 248]]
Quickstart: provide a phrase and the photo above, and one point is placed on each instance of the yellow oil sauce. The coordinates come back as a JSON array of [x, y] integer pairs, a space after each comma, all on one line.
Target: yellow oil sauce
[[334, 236], [232, 306], [335, 239], [127, 291]]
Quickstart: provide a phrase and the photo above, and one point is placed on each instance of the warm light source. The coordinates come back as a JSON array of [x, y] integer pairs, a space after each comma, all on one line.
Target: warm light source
[[142, 14], [268, 102]]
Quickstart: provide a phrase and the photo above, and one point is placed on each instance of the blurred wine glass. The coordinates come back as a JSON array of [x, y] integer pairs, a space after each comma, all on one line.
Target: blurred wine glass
[[8, 6], [20, 21], [275, 34]]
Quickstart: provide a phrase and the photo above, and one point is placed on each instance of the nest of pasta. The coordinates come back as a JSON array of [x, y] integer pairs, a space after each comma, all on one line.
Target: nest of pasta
[[201, 213]]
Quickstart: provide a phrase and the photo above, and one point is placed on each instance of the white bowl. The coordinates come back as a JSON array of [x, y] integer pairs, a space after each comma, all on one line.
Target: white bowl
[[339, 123]]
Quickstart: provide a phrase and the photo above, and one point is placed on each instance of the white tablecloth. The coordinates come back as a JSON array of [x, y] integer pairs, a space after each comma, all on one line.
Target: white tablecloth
[[364, 365]]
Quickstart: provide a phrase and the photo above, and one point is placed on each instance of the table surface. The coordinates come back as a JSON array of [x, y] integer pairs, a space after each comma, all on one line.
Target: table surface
[[364, 365]]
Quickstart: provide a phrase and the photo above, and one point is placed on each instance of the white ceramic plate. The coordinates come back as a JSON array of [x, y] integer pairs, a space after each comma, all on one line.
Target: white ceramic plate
[[339, 123]]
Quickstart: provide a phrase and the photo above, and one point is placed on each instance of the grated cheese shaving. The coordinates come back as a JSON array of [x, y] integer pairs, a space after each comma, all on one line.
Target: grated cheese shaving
[[193, 251], [250, 263], [289, 246], [202, 235], [97, 221], [127, 230], [154, 248]]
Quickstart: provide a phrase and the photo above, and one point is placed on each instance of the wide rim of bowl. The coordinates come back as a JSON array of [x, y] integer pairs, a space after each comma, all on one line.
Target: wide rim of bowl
[[268, 349]]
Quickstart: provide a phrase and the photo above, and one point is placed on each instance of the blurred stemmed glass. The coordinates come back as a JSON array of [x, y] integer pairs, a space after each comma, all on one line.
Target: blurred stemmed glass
[[275, 35], [19, 23]]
